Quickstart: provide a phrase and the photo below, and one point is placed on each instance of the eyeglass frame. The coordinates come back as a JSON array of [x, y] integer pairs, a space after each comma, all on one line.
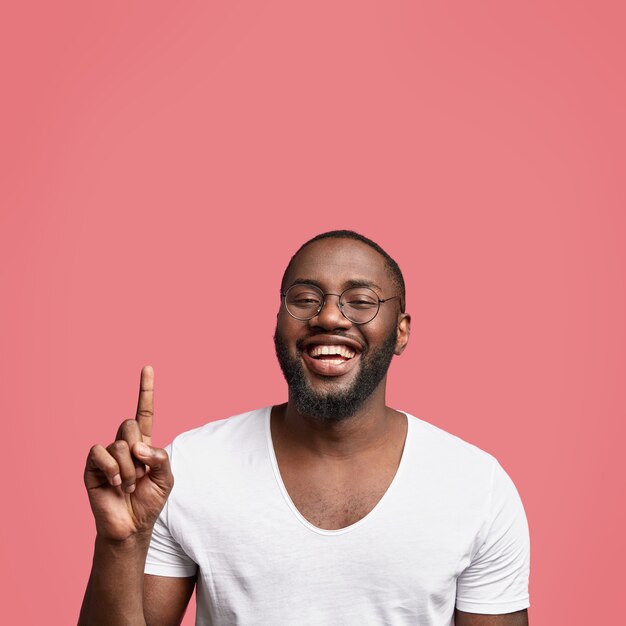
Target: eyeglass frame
[[339, 305]]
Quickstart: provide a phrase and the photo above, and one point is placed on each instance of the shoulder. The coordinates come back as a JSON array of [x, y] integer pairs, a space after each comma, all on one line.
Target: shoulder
[[453, 462], [446, 446], [222, 438], [468, 482], [217, 466]]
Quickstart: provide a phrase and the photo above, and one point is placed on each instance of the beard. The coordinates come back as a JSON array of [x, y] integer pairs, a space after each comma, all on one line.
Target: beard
[[335, 406]]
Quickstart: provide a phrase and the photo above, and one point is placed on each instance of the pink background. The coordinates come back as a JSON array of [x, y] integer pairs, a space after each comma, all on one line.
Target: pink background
[[155, 155]]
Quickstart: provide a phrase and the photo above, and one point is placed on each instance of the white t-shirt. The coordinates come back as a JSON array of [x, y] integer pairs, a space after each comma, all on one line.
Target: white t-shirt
[[450, 531]]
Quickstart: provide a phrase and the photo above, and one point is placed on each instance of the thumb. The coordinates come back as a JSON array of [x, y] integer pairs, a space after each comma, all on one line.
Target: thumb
[[159, 463]]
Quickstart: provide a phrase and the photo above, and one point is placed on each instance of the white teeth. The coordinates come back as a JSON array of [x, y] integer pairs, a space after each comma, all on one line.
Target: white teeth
[[343, 351]]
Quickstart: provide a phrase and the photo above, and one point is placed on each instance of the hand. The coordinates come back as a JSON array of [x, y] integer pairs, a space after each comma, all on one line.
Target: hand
[[129, 481]]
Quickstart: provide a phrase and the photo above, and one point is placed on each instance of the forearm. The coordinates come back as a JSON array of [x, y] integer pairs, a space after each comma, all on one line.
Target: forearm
[[114, 595]]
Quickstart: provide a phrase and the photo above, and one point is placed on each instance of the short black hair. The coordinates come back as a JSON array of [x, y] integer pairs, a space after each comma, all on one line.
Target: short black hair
[[390, 264]]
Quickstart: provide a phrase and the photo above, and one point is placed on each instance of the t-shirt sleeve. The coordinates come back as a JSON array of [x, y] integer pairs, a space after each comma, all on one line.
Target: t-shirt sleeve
[[165, 555], [496, 580]]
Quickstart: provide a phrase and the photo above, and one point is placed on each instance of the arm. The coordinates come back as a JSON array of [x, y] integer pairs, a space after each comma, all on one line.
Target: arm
[[166, 599], [119, 592], [519, 618], [114, 592], [128, 484]]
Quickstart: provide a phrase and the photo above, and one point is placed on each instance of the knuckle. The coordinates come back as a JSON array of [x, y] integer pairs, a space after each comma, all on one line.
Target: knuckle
[[95, 450], [108, 465], [101, 460], [97, 457], [120, 446], [161, 456], [128, 424]]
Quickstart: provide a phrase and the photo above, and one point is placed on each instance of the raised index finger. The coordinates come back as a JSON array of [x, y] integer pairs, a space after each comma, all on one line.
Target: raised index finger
[[145, 404]]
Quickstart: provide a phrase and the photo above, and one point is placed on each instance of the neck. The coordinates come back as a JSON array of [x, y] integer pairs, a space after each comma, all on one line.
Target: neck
[[369, 428]]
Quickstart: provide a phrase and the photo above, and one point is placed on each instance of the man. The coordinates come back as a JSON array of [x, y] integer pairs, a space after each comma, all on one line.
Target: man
[[330, 509]]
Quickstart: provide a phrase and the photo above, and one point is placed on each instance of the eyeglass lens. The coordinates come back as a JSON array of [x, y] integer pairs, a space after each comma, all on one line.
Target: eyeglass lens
[[359, 304]]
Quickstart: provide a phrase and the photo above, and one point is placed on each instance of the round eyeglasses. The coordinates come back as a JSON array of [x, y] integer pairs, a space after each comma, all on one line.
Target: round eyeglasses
[[360, 305]]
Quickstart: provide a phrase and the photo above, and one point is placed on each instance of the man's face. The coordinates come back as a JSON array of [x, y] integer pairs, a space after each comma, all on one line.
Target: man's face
[[331, 365]]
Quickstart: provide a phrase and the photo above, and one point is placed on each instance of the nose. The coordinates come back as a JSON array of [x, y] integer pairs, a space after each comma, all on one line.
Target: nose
[[330, 315]]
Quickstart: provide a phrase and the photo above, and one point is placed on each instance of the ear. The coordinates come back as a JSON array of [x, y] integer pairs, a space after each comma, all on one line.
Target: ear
[[404, 331]]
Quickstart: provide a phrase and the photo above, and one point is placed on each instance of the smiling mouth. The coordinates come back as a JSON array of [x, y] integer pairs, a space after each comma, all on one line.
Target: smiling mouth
[[331, 354]]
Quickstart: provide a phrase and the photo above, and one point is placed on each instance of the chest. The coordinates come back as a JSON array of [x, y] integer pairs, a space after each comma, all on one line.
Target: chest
[[336, 497], [398, 566]]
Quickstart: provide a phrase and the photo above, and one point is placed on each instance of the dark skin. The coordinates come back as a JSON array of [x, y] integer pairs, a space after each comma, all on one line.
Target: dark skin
[[519, 618], [335, 473], [127, 488]]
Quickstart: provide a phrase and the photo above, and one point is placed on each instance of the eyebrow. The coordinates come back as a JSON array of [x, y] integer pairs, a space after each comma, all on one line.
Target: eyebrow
[[347, 285]]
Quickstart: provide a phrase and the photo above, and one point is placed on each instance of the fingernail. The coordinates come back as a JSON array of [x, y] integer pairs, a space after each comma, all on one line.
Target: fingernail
[[116, 480], [130, 488], [142, 449]]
